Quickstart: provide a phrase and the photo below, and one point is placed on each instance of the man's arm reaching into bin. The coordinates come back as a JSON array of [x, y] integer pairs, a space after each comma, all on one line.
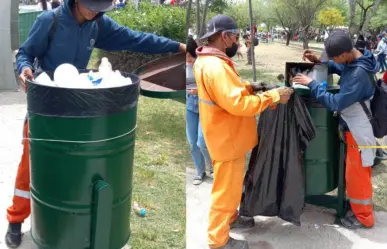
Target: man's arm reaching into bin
[[350, 92], [114, 37], [34, 47], [333, 68], [233, 96]]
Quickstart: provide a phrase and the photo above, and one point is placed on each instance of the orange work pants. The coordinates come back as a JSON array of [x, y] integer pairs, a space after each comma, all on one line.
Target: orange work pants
[[21, 208], [359, 183], [226, 197]]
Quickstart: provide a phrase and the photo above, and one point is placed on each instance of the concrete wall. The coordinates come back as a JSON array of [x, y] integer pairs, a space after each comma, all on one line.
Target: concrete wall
[[7, 75], [15, 25]]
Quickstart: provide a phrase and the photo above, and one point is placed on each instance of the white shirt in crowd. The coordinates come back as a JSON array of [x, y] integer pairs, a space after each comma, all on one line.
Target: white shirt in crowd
[[381, 47]]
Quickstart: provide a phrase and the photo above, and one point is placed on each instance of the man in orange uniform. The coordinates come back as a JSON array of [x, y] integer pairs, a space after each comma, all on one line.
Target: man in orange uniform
[[356, 70], [227, 107]]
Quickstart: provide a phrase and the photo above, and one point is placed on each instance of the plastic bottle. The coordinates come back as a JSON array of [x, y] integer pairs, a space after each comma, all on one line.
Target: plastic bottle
[[105, 67], [139, 210], [95, 78], [324, 84]]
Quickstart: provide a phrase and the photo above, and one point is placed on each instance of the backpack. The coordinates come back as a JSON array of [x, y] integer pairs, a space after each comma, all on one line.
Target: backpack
[[255, 41], [51, 34], [377, 114]]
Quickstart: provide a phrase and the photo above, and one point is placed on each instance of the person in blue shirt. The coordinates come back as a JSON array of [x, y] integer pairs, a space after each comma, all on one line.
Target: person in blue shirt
[[357, 71], [121, 4], [78, 33], [80, 26]]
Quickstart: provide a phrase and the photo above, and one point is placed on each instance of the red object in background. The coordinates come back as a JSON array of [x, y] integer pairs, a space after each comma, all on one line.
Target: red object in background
[[173, 1], [385, 78]]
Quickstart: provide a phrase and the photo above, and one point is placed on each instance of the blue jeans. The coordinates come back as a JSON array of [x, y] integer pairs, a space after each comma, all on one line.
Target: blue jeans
[[195, 137], [382, 62]]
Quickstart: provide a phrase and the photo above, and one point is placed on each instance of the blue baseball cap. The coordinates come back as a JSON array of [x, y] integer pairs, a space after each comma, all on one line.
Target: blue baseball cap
[[220, 23]]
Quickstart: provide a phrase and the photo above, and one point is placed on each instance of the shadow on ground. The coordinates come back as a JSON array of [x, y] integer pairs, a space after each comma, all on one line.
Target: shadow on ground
[[317, 231]]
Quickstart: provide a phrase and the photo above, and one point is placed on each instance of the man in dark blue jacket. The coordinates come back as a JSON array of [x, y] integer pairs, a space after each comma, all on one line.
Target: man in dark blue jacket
[[82, 26], [356, 70], [68, 35]]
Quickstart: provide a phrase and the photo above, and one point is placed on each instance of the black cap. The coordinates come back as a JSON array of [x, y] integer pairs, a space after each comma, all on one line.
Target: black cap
[[220, 23], [98, 5], [191, 46], [338, 43]]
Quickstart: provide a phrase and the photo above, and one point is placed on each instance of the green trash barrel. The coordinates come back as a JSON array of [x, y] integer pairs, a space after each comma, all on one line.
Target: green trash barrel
[[81, 153], [164, 78], [26, 20], [322, 156]]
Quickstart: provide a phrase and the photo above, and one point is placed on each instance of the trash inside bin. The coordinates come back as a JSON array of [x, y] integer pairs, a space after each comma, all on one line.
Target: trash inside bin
[[164, 78], [274, 181], [81, 153]]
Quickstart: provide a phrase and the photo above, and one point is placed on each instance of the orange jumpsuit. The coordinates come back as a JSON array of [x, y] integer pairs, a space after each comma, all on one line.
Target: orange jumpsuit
[[358, 183], [227, 109], [21, 208]]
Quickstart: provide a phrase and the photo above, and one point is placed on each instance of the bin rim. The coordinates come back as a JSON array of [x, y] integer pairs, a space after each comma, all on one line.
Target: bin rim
[[51, 75], [173, 94], [81, 102]]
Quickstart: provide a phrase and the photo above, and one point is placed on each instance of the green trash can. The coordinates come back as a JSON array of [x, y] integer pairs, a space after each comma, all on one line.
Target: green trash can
[[164, 78], [81, 153], [26, 20], [321, 158]]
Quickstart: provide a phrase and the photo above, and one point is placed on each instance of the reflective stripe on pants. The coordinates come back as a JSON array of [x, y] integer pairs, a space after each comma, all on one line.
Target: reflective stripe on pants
[[226, 196], [359, 183], [21, 209]]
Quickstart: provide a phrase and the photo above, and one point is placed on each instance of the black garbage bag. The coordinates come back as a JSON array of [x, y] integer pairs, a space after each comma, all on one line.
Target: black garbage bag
[[274, 181]]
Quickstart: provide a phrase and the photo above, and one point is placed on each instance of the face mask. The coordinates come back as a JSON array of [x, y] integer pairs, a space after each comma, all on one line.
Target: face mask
[[231, 52]]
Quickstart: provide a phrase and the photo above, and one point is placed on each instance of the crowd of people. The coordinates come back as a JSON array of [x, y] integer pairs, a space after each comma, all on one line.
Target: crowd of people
[[377, 46]]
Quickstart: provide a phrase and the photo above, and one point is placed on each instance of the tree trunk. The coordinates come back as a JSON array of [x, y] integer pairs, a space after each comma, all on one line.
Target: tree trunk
[[352, 15], [370, 15], [288, 36], [44, 4], [305, 38]]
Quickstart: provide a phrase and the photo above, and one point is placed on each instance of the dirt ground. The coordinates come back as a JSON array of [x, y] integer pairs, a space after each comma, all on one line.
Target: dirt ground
[[271, 57]]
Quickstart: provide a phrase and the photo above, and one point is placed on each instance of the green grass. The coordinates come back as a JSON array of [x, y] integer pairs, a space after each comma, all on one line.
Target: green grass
[[161, 155], [262, 75]]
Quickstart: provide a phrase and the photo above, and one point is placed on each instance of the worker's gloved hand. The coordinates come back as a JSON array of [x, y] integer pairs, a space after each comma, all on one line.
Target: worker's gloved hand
[[285, 93], [257, 87]]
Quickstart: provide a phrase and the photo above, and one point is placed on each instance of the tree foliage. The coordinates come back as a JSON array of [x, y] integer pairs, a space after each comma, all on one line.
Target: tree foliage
[[240, 13], [163, 20], [331, 17], [379, 21], [305, 11], [218, 6], [285, 18]]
